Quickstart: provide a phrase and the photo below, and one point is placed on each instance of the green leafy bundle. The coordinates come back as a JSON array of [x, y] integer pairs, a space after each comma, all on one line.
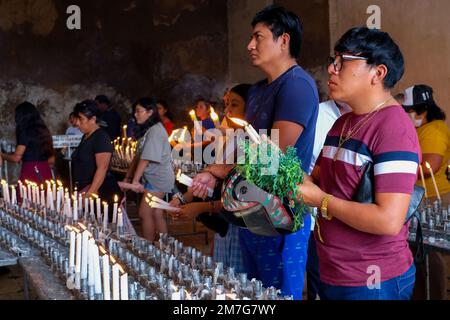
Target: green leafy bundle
[[277, 173]]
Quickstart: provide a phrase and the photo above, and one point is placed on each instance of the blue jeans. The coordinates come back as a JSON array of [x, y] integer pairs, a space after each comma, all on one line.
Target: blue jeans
[[398, 288]]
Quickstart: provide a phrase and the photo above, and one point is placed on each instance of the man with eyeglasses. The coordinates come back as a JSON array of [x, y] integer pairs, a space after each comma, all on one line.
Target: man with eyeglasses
[[363, 247]]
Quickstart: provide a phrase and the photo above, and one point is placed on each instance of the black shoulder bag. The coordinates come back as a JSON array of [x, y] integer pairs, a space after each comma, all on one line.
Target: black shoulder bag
[[366, 194]]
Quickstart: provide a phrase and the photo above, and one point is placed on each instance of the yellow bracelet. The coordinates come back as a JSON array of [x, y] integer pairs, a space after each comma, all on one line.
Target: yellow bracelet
[[324, 207]]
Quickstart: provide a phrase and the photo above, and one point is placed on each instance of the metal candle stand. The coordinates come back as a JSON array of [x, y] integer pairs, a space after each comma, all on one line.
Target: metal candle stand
[[165, 270]]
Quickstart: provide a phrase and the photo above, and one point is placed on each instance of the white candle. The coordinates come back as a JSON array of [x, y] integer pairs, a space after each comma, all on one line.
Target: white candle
[[91, 275], [13, 195], [97, 272], [254, 136], [91, 200], [43, 202], [187, 181], [20, 189], [29, 190], [78, 254], [99, 210], [75, 210], [84, 254], [120, 218], [124, 286], [53, 190], [105, 215], [106, 284], [115, 282], [156, 205], [58, 201], [80, 203], [434, 180], [86, 206], [116, 199], [72, 250]]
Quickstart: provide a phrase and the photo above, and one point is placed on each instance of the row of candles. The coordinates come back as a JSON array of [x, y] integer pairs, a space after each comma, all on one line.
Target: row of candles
[[56, 198], [89, 261], [79, 256]]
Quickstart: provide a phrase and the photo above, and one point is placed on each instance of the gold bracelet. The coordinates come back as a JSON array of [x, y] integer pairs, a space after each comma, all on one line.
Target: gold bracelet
[[324, 207]]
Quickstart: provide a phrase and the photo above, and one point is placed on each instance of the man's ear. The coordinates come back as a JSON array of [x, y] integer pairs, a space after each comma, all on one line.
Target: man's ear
[[379, 74], [285, 41]]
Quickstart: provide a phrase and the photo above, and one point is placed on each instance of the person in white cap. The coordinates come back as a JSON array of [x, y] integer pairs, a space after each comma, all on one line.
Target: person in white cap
[[434, 138]]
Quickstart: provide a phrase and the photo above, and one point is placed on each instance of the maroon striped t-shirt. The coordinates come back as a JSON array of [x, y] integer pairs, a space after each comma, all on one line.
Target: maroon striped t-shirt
[[388, 140]]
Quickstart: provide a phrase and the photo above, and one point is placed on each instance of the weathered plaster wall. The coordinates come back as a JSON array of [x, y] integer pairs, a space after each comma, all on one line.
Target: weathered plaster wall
[[174, 49]]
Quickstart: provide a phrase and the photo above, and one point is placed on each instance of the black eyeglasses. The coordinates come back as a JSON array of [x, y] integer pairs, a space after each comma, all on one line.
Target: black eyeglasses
[[338, 60]]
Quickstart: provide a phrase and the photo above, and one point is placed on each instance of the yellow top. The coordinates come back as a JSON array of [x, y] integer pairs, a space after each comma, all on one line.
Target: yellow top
[[434, 137]]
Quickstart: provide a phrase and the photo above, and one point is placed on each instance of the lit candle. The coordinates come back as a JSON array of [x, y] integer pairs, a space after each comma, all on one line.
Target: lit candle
[[123, 285], [254, 136], [28, 189], [99, 209], [197, 126], [116, 204], [58, 200], [115, 281], [156, 205], [124, 128], [423, 181], [215, 117], [91, 200], [105, 266], [434, 180], [119, 219], [105, 216], [54, 189], [187, 181]]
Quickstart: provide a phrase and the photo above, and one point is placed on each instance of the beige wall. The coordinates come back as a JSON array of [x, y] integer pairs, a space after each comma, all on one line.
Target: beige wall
[[240, 15], [422, 30]]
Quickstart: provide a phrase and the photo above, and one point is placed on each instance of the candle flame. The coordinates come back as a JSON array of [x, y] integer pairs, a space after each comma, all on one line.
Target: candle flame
[[179, 173], [239, 122], [214, 115], [193, 115], [427, 165], [95, 196], [69, 228], [112, 259], [59, 183], [116, 198], [76, 229], [125, 127], [121, 269], [82, 226]]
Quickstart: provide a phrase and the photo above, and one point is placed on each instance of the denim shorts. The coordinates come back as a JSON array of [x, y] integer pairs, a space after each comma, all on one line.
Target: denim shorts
[[398, 288], [149, 188]]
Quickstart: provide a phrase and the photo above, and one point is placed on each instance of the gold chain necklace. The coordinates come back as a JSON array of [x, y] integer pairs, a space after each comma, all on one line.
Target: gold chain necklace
[[353, 131]]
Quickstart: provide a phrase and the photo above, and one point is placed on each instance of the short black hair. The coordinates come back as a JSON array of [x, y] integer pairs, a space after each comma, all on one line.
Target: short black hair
[[378, 47], [103, 99], [87, 108], [280, 21], [241, 90]]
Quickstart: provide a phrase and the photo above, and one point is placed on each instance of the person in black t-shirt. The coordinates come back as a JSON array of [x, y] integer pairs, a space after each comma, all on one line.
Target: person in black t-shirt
[[91, 160], [109, 116], [34, 145]]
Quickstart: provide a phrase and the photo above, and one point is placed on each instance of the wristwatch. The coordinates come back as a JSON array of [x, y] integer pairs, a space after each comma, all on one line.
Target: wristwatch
[[324, 207]]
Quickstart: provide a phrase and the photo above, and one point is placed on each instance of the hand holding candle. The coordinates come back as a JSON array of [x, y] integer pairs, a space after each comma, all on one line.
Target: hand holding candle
[[187, 181]]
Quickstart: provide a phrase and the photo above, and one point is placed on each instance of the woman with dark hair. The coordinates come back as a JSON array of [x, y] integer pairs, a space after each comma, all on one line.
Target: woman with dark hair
[[34, 145], [166, 117], [91, 160], [152, 165], [434, 137]]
